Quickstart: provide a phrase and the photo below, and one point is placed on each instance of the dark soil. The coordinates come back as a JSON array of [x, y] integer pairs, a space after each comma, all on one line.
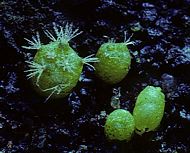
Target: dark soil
[[161, 57]]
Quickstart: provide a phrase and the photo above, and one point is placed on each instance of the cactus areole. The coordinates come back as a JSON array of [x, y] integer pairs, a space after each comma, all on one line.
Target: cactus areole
[[56, 67]]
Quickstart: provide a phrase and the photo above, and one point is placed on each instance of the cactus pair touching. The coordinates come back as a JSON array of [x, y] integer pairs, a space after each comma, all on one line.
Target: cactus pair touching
[[147, 115], [56, 67]]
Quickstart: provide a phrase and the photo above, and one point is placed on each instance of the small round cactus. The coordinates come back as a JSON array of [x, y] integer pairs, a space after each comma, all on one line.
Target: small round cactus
[[56, 67], [149, 109], [119, 125], [115, 61]]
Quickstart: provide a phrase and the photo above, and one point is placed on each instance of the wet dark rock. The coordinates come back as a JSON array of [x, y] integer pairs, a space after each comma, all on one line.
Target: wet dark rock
[[74, 101], [179, 59], [164, 23], [154, 32], [185, 114], [10, 86], [168, 82], [39, 138], [183, 89], [149, 14]]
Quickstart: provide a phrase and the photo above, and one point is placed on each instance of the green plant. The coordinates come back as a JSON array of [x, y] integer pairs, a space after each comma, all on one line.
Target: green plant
[[119, 125], [115, 61], [56, 67], [149, 109]]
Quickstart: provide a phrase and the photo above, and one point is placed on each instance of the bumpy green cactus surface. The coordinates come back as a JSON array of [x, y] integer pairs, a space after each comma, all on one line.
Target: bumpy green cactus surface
[[56, 67], [115, 61], [119, 125], [149, 109]]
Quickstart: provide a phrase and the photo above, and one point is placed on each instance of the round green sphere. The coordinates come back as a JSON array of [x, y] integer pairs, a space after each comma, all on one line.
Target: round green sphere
[[56, 67], [119, 125], [149, 109], [62, 69], [114, 62]]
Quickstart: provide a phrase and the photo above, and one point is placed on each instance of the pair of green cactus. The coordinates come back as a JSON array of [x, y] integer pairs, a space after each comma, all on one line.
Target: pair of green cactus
[[56, 67], [147, 115]]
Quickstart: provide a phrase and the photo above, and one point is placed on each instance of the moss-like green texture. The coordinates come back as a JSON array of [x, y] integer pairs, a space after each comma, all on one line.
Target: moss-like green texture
[[115, 61], [149, 109], [119, 125], [62, 69]]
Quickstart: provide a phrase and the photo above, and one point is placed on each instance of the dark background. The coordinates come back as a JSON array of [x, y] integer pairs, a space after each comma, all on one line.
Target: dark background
[[161, 57]]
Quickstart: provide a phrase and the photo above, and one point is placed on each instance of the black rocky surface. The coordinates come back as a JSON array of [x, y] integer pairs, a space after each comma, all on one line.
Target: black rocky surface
[[161, 57]]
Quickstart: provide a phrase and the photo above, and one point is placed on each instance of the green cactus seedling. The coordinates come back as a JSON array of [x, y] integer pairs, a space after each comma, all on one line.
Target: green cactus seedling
[[119, 125], [149, 109], [115, 61], [56, 67]]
